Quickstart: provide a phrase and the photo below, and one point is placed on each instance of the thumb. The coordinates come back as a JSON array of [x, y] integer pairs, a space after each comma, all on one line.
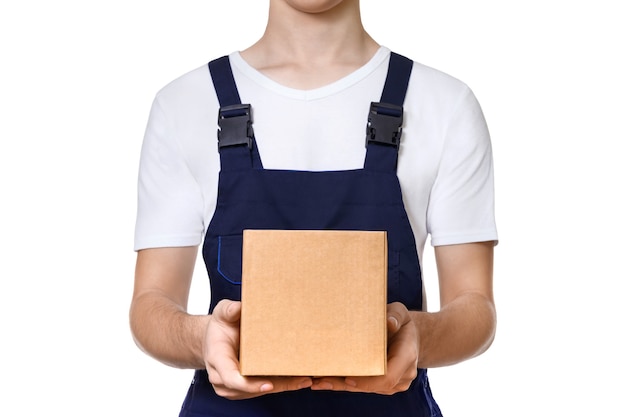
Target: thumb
[[228, 311], [392, 323], [397, 316]]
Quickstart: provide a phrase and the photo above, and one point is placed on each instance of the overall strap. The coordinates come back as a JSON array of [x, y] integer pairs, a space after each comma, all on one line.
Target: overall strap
[[384, 123], [235, 137]]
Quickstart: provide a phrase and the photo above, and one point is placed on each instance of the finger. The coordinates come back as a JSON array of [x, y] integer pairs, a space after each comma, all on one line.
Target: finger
[[329, 384], [371, 384], [227, 311], [229, 383], [353, 383], [290, 383], [397, 316], [392, 325], [240, 387]]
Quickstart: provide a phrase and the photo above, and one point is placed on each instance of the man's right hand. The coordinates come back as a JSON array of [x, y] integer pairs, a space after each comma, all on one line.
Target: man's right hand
[[221, 346]]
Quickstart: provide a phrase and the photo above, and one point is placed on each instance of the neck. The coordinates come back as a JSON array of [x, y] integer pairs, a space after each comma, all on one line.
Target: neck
[[308, 49]]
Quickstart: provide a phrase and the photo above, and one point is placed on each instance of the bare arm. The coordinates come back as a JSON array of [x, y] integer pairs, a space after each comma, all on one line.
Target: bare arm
[[464, 326], [159, 320], [164, 330]]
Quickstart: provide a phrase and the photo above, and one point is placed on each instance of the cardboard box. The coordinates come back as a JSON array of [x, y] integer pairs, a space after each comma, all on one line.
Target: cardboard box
[[314, 303]]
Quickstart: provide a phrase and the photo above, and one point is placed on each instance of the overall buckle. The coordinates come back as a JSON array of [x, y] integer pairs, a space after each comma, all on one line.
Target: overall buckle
[[235, 126], [384, 124]]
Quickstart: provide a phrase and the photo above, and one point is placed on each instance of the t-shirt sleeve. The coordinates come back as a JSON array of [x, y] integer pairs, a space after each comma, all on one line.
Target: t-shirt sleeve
[[461, 206], [169, 199]]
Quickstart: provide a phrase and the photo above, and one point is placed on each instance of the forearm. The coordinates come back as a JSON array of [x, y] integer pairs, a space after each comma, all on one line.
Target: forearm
[[159, 320], [166, 332], [462, 329]]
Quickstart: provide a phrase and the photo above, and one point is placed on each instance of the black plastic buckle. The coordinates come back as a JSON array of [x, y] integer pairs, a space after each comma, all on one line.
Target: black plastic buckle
[[235, 126], [384, 124]]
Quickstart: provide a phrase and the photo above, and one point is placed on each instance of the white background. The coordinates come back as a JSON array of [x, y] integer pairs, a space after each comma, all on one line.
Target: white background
[[77, 80]]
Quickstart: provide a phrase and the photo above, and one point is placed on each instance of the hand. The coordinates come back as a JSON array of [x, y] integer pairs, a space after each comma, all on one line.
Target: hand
[[221, 346], [402, 356]]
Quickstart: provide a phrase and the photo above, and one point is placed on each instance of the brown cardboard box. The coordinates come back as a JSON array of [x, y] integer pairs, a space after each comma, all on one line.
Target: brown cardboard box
[[314, 303]]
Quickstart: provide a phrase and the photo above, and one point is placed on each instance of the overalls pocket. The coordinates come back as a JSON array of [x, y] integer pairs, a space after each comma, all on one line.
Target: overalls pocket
[[229, 258], [404, 283]]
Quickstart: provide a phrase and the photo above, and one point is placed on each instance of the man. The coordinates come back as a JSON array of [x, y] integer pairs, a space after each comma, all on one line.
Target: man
[[310, 80]]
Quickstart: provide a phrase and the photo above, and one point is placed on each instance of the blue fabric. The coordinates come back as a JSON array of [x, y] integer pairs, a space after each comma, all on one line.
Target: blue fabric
[[250, 197]]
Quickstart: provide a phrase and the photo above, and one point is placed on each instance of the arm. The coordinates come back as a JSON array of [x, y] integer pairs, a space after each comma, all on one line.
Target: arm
[[464, 326], [164, 330], [159, 321]]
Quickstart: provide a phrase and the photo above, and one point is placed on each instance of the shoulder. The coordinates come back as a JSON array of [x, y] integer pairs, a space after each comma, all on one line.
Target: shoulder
[[436, 86], [186, 86], [186, 99], [437, 98]]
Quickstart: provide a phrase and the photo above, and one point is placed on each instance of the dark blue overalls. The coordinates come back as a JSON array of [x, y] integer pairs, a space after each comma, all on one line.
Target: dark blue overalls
[[250, 197]]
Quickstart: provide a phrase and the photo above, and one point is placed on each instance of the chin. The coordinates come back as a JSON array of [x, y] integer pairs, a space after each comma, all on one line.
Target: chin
[[314, 6]]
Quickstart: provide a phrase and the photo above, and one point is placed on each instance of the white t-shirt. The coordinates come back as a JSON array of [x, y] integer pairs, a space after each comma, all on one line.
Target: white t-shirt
[[445, 161]]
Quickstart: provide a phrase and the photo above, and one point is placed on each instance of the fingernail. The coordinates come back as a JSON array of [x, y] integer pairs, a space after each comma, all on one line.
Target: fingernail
[[324, 385], [266, 387], [394, 322], [350, 382], [305, 384]]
